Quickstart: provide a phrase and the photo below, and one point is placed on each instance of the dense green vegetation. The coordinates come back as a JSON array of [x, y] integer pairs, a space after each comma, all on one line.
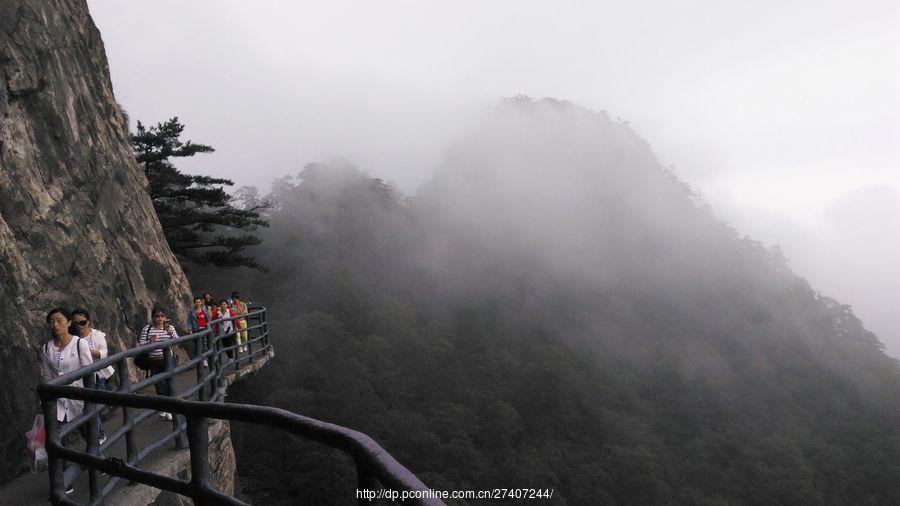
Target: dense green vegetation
[[556, 310]]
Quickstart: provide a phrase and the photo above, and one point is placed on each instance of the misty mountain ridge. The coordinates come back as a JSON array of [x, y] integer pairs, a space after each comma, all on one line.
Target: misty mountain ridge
[[576, 189], [557, 309]]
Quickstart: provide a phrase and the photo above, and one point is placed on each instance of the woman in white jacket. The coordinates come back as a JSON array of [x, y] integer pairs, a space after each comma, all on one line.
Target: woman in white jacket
[[96, 339], [63, 354]]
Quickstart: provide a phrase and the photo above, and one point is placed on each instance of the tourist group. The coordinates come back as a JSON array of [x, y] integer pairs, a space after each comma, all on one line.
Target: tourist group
[[75, 343]]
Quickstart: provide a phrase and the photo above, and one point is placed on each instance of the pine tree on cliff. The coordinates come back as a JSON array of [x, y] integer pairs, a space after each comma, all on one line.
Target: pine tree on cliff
[[200, 220]]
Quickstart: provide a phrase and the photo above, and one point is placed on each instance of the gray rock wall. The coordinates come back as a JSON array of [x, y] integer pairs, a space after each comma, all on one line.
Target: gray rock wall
[[76, 226]]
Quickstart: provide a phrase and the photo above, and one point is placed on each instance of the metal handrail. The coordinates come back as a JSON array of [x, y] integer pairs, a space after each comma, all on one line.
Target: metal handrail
[[373, 463], [370, 457]]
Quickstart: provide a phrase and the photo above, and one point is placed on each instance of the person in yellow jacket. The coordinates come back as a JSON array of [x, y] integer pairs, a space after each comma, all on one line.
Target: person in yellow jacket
[[240, 308]]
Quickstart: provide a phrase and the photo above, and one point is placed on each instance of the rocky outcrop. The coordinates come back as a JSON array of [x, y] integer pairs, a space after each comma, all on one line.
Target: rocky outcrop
[[76, 225]]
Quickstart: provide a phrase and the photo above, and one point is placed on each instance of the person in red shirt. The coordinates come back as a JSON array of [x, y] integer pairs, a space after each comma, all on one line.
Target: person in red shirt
[[197, 320]]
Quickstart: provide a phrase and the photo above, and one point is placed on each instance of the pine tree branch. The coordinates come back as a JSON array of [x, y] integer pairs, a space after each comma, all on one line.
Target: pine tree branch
[[194, 209]]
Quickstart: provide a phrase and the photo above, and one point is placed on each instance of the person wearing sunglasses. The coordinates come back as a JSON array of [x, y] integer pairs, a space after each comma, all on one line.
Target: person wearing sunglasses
[[197, 321], [96, 340], [159, 329]]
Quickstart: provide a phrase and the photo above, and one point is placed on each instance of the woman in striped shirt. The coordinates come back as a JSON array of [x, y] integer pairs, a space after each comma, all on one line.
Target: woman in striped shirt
[[157, 330]]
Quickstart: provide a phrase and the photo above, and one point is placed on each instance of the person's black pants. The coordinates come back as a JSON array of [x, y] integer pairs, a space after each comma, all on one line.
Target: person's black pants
[[227, 342], [201, 344], [163, 387], [70, 439]]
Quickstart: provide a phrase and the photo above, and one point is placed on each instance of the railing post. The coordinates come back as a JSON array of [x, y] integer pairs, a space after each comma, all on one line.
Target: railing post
[[180, 439], [250, 336], [265, 327], [203, 394], [127, 413], [220, 373], [92, 438], [54, 463], [198, 442]]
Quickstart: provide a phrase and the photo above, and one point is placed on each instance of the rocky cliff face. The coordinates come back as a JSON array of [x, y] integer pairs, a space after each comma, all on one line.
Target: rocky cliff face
[[76, 226]]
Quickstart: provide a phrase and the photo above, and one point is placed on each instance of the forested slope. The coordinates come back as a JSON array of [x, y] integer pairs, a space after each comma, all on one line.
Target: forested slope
[[555, 309]]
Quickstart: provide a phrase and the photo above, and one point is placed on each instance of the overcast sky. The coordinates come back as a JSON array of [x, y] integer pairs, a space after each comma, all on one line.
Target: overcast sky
[[784, 114]]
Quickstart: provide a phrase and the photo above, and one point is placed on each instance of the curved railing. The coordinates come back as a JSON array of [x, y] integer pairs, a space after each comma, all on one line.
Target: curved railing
[[190, 428]]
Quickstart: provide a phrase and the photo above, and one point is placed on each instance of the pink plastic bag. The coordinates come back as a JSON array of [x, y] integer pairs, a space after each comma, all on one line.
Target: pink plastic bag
[[36, 437]]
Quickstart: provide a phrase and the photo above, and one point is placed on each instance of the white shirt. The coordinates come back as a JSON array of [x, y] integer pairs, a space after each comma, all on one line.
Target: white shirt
[[97, 340], [55, 363], [224, 327]]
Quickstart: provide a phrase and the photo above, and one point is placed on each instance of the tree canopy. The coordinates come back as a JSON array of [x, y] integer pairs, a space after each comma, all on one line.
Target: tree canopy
[[201, 221]]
